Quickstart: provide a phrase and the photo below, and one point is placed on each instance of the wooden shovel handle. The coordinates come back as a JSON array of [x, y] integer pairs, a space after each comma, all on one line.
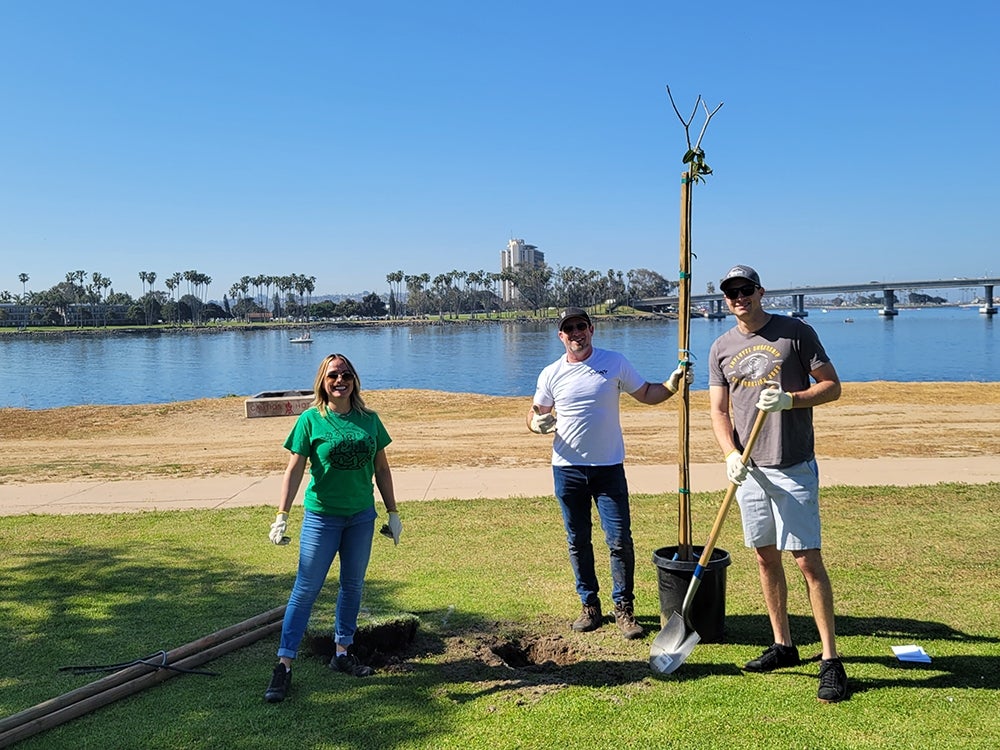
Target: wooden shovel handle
[[713, 537]]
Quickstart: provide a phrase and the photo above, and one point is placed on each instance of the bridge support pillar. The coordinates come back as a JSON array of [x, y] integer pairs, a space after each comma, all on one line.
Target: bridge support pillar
[[715, 311], [799, 306], [989, 308], [890, 304]]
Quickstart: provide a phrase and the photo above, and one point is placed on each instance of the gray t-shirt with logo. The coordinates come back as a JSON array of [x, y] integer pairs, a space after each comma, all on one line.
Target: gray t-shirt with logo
[[784, 350]]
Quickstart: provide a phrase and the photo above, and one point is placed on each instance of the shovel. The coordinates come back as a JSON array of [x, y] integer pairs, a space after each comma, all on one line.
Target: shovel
[[677, 639]]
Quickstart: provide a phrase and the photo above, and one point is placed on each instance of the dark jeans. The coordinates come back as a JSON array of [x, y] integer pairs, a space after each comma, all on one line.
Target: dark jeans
[[575, 488]]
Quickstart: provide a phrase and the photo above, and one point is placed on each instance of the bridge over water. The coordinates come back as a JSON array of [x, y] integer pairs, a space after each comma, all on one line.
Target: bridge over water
[[717, 308]]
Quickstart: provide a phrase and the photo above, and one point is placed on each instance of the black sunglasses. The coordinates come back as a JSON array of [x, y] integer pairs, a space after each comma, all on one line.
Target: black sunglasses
[[347, 375], [740, 291], [581, 326]]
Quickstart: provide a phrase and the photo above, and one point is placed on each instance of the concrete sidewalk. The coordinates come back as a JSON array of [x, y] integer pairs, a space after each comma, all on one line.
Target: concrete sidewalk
[[428, 484]]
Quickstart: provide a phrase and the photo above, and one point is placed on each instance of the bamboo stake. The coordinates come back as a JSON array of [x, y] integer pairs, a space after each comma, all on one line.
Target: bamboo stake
[[133, 679], [684, 551]]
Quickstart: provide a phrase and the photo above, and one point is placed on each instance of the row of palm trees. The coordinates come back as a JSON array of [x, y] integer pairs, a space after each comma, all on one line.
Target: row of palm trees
[[263, 296], [62, 303], [262, 301], [531, 287]]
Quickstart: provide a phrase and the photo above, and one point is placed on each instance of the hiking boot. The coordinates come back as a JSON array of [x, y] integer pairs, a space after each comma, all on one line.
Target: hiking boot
[[832, 681], [281, 681], [775, 656], [590, 618], [625, 619], [349, 664]]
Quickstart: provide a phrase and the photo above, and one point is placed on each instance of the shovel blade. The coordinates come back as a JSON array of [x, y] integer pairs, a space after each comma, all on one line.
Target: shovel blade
[[672, 645]]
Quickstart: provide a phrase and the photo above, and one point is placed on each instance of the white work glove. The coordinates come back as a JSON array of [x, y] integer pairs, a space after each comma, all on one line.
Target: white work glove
[[542, 423], [774, 399], [673, 383], [736, 470], [394, 528], [278, 528]]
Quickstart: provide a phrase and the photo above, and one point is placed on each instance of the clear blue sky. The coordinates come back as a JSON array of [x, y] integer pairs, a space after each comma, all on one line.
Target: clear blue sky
[[858, 140]]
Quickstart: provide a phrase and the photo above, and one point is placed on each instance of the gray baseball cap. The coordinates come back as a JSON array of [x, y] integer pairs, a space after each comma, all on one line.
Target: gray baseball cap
[[744, 273], [573, 312]]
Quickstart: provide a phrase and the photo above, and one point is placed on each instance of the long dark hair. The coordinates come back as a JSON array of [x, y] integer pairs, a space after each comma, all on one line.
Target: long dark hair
[[321, 398]]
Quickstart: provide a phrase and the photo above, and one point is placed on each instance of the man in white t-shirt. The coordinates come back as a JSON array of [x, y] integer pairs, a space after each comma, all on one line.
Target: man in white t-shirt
[[577, 397]]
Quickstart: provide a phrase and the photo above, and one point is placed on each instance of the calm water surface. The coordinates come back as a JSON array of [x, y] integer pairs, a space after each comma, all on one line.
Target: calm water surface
[[945, 344]]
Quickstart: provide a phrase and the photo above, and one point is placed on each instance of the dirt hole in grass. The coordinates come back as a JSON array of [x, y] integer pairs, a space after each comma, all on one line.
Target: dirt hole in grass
[[542, 652], [380, 646]]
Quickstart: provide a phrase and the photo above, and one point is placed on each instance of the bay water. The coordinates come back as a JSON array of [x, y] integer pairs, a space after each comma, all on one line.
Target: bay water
[[955, 344]]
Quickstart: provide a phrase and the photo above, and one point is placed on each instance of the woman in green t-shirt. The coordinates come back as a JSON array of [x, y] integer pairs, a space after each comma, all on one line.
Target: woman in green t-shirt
[[344, 443]]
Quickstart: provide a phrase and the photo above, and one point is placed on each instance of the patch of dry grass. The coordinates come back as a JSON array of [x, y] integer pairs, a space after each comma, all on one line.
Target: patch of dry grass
[[434, 429]]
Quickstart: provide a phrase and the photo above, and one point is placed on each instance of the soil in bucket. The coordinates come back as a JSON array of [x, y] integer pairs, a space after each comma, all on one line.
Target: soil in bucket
[[708, 610]]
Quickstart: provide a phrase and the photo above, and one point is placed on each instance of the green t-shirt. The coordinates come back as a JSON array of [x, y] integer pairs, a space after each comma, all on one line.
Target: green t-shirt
[[341, 450]]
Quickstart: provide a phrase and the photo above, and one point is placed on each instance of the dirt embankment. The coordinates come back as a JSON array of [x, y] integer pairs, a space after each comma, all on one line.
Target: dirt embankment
[[432, 429]]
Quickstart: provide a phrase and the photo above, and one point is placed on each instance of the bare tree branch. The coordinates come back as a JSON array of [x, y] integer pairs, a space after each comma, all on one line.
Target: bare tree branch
[[708, 119], [694, 155]]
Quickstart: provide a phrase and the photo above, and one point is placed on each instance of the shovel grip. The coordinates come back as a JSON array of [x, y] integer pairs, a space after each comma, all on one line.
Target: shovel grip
[[713, 537]]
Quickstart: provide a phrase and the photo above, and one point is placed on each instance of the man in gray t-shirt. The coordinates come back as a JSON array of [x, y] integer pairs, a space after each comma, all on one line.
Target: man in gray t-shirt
[[777, 365]]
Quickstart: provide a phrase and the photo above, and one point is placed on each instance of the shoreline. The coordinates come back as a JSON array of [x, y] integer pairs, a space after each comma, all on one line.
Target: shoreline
[[316, 325], [427, 320]]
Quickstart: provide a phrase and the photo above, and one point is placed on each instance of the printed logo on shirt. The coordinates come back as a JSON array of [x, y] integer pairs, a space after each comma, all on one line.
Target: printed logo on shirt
[[351, 450], [754, 366]]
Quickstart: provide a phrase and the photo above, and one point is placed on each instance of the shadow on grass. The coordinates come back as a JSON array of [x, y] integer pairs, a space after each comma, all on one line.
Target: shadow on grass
[[950, 671], [81, 603], [752, 629], [75, 602], [484, 657]]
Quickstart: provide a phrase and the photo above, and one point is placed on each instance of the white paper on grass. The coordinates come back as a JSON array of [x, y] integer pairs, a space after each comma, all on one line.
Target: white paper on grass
[[911, 652]]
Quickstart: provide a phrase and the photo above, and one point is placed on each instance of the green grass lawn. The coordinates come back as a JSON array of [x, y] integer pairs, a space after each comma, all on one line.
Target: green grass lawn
[[909, 565]]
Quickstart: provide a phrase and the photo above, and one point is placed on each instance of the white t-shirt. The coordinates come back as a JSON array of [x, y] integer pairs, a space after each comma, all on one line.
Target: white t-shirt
[[586, 399]]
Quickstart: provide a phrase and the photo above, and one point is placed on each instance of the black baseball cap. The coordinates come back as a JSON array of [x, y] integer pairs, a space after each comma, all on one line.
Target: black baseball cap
[[740, 272], [573, 312]]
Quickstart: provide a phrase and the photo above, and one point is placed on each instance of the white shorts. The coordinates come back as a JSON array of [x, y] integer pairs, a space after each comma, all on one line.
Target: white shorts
[[781, 507]]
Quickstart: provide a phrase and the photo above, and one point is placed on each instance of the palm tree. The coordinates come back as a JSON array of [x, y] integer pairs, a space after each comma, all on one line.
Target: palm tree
[[23, 278], [285, 285], [396, 277], [174, 284], [441, 285], [475, 279], [310, 288], [460, 277], [234, 292], [494, 278]]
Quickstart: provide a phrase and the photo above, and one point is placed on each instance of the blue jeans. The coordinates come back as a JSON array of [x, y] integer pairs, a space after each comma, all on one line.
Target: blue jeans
[[575, 488], [321, 539]]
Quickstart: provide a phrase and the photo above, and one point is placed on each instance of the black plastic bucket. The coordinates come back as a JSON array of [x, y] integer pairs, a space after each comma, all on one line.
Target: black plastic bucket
[[708, 610]]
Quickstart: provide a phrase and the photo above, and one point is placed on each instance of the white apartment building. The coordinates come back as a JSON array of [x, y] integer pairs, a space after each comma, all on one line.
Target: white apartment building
[[517, 253]]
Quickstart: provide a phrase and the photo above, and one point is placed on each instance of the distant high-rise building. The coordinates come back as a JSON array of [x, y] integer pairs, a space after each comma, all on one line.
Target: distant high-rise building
[[518, 253]]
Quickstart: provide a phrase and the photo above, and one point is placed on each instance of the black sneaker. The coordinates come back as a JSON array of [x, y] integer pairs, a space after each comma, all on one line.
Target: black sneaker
[[775, 656], [832, 681], [281, 680], [590, 618], [625, 619], [349, 664]]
